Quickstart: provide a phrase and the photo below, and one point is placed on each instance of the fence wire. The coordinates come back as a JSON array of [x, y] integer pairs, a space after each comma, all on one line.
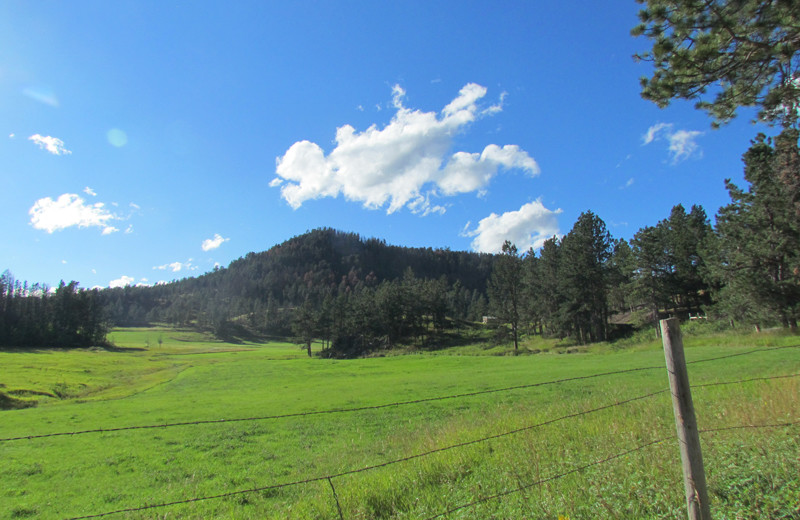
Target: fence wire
[[374, 407], [449, 511], [597, 463], [330, 411], [380, 465], [468, 443]]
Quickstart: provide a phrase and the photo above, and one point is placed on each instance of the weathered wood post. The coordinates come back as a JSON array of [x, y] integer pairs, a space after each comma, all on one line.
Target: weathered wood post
[[694, 476]]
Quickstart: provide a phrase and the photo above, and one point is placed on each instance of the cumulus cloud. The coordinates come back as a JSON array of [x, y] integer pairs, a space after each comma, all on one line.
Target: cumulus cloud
[[54, 145], [527, 227], [121, 282], [89, 191], [213, 243], [682, 143], [70, 210], [403, 164]]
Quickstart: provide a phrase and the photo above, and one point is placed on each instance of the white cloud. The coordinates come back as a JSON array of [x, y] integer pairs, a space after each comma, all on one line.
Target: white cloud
[[528, 227], [121, 282], [177, 267], [213, 243], [54, 145], [654, 131], [404, 164], [682, 143], [70, 210], [89, 191]]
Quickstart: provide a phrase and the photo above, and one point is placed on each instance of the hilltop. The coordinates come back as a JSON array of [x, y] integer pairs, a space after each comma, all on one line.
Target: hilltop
[[255, 291]]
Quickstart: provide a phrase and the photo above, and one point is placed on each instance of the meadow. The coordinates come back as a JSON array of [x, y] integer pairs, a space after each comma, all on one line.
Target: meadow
[[313, 438]]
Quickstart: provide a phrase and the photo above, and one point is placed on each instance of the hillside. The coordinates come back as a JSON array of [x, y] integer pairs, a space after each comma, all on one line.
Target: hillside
[[255, 290]]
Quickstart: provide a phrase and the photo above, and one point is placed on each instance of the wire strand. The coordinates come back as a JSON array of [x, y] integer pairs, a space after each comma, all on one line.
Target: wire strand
[[375, 466], [330, 411], [461, 445], [373, 407], [596, 463]]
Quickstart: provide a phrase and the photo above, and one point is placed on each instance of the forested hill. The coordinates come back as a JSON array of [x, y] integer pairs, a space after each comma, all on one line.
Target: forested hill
[[256, 290], [325, 257]]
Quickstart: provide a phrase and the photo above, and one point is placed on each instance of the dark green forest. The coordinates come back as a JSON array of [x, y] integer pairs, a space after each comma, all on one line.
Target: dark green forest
[[358, 295]]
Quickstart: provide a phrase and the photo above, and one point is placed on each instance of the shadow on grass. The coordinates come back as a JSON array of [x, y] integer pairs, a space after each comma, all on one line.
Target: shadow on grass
[[47, 350], [10, 403], [114, 348]]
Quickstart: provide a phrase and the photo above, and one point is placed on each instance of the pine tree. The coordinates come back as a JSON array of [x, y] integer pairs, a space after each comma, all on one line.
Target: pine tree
[[549, 297], [586, 251], [505, 289], [757, 241], [745, 51]]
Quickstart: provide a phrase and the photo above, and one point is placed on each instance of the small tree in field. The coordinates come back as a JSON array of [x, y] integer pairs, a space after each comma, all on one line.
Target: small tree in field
[[304, 324], [505, 289]]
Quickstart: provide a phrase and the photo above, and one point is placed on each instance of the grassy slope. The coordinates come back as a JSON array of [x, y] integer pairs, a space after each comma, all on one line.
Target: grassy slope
[[191, 378]]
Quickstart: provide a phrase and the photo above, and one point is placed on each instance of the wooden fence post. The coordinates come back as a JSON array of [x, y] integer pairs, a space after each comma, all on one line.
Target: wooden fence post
[[694, 476]]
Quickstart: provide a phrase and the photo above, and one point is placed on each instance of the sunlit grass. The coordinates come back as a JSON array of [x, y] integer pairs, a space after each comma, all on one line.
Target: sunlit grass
[[192, 378]]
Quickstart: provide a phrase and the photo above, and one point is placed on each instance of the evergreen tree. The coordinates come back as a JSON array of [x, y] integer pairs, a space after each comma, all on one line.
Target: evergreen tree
[[304, 324], [652, 277], [757, 241], [550, 298], [686, 234], [505, 289], [531, 282], [745, 51], [622, 265], [586, 251]]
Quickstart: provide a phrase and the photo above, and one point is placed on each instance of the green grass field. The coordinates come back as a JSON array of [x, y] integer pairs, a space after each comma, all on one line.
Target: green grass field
[[187, 377]]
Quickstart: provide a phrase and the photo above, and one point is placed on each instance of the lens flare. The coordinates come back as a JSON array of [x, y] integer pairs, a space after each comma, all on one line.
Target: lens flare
[[117, 137]]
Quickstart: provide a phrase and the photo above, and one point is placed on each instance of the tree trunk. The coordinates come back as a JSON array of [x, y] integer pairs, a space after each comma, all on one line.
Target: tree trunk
[[516, 343]]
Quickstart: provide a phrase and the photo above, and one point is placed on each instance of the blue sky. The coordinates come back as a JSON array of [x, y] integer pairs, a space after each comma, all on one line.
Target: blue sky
[[148, 141]]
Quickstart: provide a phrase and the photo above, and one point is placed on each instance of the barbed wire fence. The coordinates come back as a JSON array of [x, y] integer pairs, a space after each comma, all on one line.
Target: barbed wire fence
[[330, 477]]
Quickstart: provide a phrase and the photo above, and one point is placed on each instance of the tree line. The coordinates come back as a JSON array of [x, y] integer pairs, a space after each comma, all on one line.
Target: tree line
[[358, 295], [34, 316], [746, 268]]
